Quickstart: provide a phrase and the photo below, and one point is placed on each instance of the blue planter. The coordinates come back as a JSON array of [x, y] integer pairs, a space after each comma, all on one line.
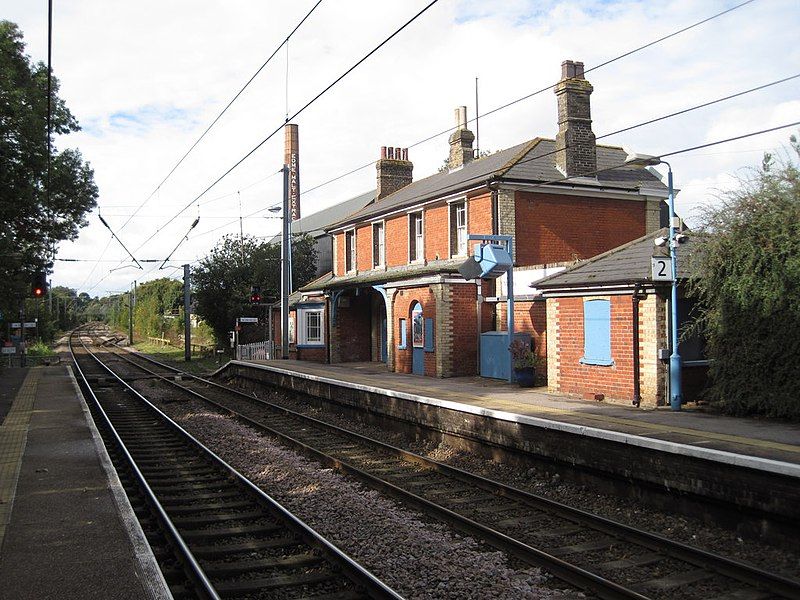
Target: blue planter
[[525, 377]]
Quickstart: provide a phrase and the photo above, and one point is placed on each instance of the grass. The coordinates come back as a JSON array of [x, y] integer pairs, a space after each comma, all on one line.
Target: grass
[[174, 356]]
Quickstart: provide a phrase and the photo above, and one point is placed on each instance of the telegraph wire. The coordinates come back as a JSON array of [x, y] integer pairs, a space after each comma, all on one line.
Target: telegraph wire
[[295, 115], [544, 89]]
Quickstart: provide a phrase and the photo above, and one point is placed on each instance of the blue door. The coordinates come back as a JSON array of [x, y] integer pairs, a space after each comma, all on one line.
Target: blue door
[[417, 340]]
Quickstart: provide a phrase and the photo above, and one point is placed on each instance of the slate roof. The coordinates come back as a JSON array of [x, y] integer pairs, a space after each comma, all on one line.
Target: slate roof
[[532, 161], [626, 264], [315, 224], [380, 276]]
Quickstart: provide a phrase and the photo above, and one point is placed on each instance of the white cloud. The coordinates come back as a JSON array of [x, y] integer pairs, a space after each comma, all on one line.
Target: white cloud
[[146, 78]]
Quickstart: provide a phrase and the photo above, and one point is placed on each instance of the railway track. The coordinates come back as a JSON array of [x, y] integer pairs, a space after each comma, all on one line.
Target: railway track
[[217, 535], [603, 557]]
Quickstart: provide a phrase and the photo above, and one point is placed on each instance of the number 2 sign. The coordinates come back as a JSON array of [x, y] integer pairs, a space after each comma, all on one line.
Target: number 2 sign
[[661, 268]]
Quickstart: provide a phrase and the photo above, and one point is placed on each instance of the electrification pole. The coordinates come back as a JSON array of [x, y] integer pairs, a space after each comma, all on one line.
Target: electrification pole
[[285, 268], [187, 326]]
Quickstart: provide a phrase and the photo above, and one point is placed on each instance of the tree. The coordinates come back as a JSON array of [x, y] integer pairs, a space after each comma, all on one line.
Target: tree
[[746, 275], [222, 281], [32, 220]]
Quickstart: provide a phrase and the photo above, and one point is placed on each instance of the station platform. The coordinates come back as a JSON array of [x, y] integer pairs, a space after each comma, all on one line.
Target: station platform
[[693, 427], [748, 470], [66, 527]]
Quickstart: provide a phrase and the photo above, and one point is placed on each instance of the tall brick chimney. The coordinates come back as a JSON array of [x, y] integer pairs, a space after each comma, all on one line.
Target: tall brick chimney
[[394, 170], [576, 153], [460, 141]]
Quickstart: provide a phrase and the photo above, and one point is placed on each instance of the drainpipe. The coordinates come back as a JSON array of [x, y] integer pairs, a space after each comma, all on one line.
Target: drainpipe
[[637, 395]]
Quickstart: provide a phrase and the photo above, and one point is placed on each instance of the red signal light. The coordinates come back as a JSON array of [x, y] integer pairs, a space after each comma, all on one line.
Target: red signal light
[[38, 292]]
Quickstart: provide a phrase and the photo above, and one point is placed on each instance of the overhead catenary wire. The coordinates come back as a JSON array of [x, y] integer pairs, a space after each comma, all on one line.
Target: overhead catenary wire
[[285, 42], [540, 91], [295, 115]]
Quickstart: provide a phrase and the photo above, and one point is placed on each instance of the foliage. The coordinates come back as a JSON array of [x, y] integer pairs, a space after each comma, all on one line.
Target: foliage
[[31, 220], [522, 355], [223, 279], [40, 349], [746, 276]]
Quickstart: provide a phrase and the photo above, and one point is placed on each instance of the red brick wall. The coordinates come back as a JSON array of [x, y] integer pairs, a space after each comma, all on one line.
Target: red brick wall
[[437, 233], [396, 241], [403, 302], [479, 214], [353, 329], [364, 248], [319, 355], [464, 327], [338, 244], [553, 228], [529, 317], [614, 382]]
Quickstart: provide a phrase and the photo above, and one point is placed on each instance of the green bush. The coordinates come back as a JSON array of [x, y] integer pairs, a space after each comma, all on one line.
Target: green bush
[[746, 275], [40, 349]]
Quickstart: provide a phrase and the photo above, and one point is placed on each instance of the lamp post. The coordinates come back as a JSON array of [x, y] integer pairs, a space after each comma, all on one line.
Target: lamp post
[[675, 387]]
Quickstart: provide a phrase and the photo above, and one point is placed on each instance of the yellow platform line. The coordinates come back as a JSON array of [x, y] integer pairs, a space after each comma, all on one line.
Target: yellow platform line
[[13, 437]]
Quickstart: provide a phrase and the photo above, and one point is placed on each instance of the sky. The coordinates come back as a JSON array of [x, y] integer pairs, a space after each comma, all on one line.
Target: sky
[[145, 79]]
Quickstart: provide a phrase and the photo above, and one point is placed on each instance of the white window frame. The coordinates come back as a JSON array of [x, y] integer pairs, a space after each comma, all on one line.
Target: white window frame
[[419, 249], [352, 253], [303, 315], [460, 249], [380, 260]]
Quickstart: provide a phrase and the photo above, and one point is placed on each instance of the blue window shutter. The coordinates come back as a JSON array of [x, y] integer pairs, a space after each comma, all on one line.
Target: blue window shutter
[[597, 332], [428, 335]]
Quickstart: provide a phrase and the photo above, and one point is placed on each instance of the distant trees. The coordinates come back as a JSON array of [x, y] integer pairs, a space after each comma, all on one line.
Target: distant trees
[[746, 274], [31, 220], [222, 280]]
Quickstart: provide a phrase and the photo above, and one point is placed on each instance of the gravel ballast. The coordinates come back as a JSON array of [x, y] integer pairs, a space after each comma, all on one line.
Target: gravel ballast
[[416, 557]]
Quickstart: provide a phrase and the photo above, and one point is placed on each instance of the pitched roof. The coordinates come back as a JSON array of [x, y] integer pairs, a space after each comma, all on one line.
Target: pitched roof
[[315, 223], [626, 264], [380, 276], [532, 161]]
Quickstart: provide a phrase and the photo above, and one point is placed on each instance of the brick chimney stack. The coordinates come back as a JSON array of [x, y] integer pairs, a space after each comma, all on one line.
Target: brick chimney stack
[[461, 139], [394, 170], [576, 153]]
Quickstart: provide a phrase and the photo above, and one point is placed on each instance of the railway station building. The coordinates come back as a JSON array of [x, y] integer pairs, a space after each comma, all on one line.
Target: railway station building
[[395, 294]]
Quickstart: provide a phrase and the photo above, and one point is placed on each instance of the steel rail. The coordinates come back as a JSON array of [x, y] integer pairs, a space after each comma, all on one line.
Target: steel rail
[[374, 586], [734, 569], [195, 571]]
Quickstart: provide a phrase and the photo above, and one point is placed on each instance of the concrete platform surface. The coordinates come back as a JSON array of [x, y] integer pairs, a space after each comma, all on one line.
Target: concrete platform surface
[[66, 527], [759, 438]]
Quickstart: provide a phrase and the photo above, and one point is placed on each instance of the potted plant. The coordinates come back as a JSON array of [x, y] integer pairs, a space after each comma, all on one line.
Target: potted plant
[[524, 362]]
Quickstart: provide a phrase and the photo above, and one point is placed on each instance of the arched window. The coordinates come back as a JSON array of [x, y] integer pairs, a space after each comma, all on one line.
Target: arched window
[[417, 326]]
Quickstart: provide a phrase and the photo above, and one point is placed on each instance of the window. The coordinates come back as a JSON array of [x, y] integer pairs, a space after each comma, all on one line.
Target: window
[[416, 250], [403, 334], [312, 331], [350, 250], [597, 333], [378, 245], [417, 326], [458, 229]]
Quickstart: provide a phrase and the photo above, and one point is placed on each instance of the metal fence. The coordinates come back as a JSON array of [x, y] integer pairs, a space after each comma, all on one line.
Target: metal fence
[[256, 351]]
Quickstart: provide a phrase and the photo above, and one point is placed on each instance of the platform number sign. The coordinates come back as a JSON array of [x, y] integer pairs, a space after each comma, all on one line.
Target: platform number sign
[[661, 268]]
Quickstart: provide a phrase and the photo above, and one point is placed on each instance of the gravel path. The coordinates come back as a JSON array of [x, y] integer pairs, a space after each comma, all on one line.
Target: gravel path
[[419, 559]]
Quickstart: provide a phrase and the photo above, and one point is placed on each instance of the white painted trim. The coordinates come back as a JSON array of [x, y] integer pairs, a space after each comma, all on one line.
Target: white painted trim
[[382, 223], [586, 191], [720, 456], [348, 254], [414, 208]]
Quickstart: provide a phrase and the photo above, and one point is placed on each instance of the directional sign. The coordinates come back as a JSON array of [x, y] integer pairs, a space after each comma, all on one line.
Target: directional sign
[[248, 319], [8, 350], [30, 324], [661, 268], [16, 325]]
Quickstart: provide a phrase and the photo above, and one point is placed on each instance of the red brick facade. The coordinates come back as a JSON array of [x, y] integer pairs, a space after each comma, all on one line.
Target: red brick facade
[[404, 300], [554, 228]]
